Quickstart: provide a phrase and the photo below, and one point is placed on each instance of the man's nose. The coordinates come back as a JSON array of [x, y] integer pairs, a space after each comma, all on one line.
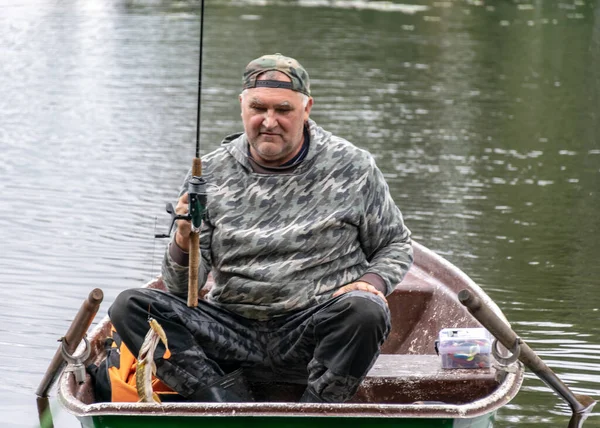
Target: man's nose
[[270, 120]]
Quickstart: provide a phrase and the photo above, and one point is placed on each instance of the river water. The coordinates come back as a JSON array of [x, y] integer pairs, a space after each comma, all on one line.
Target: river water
[[484, 117]]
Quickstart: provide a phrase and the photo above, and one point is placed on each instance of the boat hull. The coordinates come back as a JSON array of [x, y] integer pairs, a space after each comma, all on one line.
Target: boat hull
[[485, 421]]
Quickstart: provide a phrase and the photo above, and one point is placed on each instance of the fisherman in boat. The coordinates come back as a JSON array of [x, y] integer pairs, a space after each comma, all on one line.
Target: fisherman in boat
[[303, 241]]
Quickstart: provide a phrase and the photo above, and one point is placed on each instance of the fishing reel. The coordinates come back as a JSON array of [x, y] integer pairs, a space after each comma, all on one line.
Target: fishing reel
[[197, 207]]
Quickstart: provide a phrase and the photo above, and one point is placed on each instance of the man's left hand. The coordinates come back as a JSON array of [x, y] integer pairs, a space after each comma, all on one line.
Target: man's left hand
[[362, 286]]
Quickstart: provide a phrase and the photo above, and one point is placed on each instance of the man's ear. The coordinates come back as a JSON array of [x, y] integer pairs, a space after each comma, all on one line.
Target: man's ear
[[308, 108]]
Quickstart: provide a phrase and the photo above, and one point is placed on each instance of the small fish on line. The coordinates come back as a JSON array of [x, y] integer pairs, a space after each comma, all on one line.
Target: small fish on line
[[145, 366]]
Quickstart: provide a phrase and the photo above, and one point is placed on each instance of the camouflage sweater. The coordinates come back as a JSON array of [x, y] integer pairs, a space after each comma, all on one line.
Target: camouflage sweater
[[283, 242]]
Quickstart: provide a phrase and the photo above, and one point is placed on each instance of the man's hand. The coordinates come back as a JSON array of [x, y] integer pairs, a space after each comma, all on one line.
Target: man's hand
[[184, 228], [362, 286]]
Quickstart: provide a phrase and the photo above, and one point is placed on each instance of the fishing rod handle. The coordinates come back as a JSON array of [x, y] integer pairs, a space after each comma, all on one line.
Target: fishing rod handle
[[197, 167], [75, 334], [194, 262], [194, 265]]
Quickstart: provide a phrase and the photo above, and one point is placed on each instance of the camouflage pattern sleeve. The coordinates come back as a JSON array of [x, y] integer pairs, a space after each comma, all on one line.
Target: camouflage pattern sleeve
[[383, 236], [175, 276]]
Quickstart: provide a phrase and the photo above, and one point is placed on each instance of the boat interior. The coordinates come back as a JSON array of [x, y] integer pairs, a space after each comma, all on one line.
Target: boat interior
[[408, 371]]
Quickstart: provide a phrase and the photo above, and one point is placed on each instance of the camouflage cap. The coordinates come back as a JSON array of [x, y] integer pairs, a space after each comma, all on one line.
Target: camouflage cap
[[288, 66]]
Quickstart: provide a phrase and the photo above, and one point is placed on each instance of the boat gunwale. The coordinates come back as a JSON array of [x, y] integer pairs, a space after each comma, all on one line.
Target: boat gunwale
[[501, 395], [424, 258]]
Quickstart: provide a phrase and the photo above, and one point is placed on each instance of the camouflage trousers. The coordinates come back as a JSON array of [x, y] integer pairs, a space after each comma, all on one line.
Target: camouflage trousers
[[330, 347]]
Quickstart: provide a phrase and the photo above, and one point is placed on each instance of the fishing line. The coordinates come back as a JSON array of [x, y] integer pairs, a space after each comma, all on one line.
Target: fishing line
[[200, 79], [153, 248]]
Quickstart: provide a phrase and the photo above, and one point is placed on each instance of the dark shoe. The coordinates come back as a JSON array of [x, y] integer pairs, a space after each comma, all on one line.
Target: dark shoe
[[231, 388], [310, 397]]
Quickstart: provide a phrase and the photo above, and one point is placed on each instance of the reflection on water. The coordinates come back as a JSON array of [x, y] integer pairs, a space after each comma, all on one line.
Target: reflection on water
[[483, 117], [383, 6]]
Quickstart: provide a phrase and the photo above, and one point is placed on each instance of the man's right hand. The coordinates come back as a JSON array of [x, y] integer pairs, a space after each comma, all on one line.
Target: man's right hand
[[184, 227]]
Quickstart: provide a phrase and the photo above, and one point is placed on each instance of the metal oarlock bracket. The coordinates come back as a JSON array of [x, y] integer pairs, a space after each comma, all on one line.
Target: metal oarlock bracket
[[76, 362], [515, 352]]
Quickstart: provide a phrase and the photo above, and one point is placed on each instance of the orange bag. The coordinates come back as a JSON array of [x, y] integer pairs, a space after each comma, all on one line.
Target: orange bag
[[114, 378]]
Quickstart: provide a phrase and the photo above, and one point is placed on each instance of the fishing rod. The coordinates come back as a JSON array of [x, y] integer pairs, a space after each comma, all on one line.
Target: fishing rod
[[196, 188], [196, 193]]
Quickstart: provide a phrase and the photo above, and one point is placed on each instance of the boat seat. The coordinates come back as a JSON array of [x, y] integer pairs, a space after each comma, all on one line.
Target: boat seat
[[420, 378], [402, 379]]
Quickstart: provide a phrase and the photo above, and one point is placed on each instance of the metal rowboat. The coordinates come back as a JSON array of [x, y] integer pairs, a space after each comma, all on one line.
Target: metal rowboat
[[406, 388]]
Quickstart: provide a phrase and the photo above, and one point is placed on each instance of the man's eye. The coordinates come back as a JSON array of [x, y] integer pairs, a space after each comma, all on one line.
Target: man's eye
[[258, 108]]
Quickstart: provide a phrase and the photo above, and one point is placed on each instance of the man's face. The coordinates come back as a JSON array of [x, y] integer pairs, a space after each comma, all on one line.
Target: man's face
[[274, 121]]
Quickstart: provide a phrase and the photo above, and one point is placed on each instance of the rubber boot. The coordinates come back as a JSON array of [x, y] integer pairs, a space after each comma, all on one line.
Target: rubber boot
[[310, 396], [231, 388]]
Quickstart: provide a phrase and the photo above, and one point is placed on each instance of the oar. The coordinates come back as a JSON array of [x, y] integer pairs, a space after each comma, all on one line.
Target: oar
[[579, 404], [577, 420], [72, 339]]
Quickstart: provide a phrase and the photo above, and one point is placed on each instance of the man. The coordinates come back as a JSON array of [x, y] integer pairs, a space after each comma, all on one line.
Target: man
[[303, 241]]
